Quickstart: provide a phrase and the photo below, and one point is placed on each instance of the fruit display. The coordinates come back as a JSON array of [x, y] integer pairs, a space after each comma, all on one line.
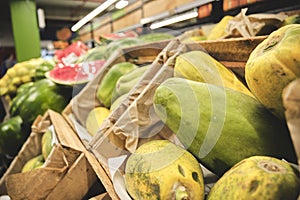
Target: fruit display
[[216, 118], [160, 169], [108, 84], [36, 98], [213, 134], [200, 66], [272, 65], [257, 177], [95, 118], [23, 72]]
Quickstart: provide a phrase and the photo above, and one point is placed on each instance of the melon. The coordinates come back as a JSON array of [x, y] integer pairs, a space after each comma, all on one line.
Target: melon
[[73, 74]]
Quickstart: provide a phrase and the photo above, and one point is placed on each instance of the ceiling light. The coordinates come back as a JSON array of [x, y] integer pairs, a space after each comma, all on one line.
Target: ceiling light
[[93, 14], [173, 20], [121, 4]]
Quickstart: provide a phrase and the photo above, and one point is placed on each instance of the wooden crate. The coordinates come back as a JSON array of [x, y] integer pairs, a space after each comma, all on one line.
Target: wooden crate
[[58, 178], [122, 134]]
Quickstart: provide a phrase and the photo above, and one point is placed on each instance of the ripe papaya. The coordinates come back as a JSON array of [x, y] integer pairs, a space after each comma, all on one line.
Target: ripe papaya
[[159, 169], [200, 66], [220, 126], [257, 177], [127, 81], [219, 30], [109, 81], [273, 64], [95, 118], [33, 163], [47, 144]]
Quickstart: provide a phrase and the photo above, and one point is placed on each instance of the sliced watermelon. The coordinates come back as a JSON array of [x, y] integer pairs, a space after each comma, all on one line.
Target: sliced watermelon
[[75, 73]]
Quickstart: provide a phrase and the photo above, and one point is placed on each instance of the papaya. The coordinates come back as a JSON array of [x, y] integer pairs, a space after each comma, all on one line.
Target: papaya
[[292, 19], [273, 64], [46, 144], [257, 177], [109, 81], [219, 30], [33, 163], [220, 126], [95, 118], [127, 81], [159, 169], [154, 37], [200, 66], [118, 101]]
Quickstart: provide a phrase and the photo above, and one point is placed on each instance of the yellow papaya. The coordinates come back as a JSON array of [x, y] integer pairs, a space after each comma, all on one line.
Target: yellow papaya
[[108, 83], [159, 169], [95, 118], [257, 177], [46, 143], [200, 66], [33, 163], [273, 64], [219, 30], [220, 126]]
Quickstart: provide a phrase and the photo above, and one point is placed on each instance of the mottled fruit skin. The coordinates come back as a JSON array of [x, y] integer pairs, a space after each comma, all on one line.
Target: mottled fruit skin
[[257, 177], [220, 126], [273, 64], [160, 169]]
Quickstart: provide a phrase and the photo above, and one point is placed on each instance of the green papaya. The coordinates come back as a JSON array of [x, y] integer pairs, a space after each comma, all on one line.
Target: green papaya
[[121, 43], [35, 99], [109, 81], [159, 169], [126, 82], [153, 37], [257, 177], [118, 101], [220, 126]]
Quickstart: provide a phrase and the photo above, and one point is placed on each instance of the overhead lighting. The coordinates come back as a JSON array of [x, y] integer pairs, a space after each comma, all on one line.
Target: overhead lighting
[[93, 14], [121, 4], [173, 20]]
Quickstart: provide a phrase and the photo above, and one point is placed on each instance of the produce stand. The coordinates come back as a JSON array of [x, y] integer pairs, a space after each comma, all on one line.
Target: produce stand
[[80, 162]]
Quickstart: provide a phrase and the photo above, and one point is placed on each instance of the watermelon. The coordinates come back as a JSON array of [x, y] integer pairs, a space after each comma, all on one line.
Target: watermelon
[[73, 74]]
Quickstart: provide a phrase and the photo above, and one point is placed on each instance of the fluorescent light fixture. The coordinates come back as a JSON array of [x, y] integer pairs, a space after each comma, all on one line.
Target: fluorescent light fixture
[[92, 14], [121, 4], [173, 20], [41, 18]]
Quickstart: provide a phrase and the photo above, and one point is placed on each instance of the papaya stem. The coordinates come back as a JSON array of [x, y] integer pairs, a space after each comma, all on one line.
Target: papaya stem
[[181, 193]]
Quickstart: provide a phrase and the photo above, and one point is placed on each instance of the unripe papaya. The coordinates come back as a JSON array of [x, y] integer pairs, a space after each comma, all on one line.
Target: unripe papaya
[[159, 169], [273, 64], [257, 177], [108, 83], [126, 82], [200, 66], [220, 126]]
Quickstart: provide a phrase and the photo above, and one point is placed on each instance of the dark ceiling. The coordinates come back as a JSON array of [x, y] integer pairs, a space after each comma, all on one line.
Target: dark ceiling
[[58, 13]]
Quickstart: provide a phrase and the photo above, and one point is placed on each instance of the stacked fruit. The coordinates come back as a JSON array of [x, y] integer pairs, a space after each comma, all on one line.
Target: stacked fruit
[[112, 90], [21, 73], [239, 134], [39, 160]]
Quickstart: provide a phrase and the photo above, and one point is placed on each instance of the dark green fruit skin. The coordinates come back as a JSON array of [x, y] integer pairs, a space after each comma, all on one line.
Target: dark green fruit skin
[[36, 98], [12, 136], [257, 177], [239, 126]]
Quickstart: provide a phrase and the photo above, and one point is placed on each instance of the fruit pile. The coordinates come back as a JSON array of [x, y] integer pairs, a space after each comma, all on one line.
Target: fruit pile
[[236, 130]]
